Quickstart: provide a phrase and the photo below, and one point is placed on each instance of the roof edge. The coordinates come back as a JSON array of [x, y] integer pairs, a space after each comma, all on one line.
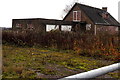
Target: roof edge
[[70, 11], [106, 24]]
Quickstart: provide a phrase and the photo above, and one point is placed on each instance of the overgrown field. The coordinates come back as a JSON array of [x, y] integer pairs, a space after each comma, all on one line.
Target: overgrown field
[[99, 46], [35, 62]]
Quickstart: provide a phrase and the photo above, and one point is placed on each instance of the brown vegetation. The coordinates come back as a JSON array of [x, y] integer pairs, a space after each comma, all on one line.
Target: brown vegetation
[[102, 46]]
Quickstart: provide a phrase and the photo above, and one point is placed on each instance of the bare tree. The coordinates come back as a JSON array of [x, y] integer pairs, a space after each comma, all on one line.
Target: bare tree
[[68, 7], [66, 10]]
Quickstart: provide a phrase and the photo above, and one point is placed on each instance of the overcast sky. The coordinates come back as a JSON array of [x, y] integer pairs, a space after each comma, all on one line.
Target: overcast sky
[[51, 9]]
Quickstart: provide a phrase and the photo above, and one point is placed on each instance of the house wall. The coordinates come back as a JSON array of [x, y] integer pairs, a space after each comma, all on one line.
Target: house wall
[[84, 18], [28, 25], [100, 29]]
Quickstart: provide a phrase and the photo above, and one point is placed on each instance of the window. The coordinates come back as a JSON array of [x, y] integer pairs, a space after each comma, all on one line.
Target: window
[[52, 27], [105, 15], [76, 15], [30, 26], [116, 29], [88, 26], [18, 25], [66, 28]]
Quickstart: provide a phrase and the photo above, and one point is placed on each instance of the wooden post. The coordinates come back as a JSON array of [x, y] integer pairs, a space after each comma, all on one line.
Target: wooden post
[[95, 30], [60, 27], [119, 36]]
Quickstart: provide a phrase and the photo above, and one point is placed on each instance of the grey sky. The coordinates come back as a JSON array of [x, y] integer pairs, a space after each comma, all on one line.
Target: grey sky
[[51, 9]]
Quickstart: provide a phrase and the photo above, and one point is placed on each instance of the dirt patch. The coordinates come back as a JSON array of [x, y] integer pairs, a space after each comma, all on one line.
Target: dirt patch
[[58, 72]]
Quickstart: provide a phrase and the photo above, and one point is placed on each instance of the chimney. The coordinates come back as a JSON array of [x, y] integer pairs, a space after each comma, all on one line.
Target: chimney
[[104, 8]]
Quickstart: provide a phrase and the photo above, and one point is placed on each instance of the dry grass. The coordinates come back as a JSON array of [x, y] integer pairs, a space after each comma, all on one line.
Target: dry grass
[[27, 54], [27, 62]]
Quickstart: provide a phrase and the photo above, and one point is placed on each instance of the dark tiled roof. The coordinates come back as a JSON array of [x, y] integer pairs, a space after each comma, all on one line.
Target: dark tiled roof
[[95, 14], [48, 21]]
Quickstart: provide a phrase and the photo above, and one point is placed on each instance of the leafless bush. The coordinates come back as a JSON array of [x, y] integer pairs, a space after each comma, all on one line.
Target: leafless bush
[[83, 44]]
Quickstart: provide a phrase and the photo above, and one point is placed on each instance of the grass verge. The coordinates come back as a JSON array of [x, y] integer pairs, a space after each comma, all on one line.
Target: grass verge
[[35, 62]]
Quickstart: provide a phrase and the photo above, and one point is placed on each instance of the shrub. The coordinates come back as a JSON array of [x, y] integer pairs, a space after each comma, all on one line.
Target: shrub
[[83, 44]]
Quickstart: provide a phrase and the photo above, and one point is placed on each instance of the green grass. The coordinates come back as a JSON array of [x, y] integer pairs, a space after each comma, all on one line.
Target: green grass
[[26, 62]]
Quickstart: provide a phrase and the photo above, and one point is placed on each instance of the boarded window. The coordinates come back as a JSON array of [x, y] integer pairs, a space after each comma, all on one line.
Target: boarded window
[[52, 27], [117, 29], [88, 26], [66, 28], [76, 15]]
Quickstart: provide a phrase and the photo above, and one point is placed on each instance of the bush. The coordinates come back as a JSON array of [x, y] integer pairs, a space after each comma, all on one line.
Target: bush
[[83, 44]]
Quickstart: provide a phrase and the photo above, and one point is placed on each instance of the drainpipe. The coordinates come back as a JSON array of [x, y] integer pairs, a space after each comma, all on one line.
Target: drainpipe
[[95, 30], [93, 73]]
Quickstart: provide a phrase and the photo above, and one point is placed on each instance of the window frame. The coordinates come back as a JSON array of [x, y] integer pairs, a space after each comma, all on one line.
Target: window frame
[[75, 14], [88, 27]]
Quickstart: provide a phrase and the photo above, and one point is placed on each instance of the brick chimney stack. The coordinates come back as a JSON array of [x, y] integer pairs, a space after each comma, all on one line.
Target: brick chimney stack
[[104, 8]]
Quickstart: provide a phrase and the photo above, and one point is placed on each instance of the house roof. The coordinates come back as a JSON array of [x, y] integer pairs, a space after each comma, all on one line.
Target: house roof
[[48, 21], [95, 14]]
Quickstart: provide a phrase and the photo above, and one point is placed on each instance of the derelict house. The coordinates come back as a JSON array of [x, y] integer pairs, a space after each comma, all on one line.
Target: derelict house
[[81, 18]]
